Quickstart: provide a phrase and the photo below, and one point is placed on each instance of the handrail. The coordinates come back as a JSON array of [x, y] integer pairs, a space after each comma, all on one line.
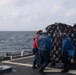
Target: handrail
[[10, 55], [24, 52]]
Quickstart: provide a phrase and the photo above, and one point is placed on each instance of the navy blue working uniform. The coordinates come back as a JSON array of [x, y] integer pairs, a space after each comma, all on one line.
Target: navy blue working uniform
[[68, 50], [44, 46]]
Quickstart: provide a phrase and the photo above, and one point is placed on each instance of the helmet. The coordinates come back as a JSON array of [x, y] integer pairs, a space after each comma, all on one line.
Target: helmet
[[39, 32]]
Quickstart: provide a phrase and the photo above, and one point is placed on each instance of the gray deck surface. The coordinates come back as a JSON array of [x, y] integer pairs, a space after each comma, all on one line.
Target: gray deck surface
[[23, 66]]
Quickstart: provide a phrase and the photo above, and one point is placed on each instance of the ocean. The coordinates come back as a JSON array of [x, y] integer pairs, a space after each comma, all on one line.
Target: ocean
[[16, 41]]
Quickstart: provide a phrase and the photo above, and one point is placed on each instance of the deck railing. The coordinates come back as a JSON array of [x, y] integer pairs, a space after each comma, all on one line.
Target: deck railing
[[10, 55]]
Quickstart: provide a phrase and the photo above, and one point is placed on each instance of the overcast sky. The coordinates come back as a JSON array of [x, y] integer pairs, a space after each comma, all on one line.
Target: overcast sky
[[30, 15]]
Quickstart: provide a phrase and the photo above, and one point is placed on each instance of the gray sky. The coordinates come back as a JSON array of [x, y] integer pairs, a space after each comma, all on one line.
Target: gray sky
[[25, 15]]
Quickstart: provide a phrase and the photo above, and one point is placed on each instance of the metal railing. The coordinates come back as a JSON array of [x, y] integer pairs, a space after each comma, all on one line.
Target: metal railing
[[10, 55], [25, 53]]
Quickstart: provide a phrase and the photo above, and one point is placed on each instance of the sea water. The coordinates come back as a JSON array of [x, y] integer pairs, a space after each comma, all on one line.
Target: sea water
[[16, 41]]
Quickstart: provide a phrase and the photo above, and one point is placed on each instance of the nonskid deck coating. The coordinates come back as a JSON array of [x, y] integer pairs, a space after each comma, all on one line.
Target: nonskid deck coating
[[23, 66]]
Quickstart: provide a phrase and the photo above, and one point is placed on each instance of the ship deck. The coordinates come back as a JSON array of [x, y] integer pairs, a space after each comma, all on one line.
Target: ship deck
[[23, 66]]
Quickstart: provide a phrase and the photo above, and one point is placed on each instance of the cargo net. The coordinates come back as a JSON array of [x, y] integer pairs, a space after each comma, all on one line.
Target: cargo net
[[55, 30]]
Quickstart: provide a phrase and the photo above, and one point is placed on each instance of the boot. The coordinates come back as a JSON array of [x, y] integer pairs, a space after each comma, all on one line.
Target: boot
[[34, 67], [41, 70], [64, 71]]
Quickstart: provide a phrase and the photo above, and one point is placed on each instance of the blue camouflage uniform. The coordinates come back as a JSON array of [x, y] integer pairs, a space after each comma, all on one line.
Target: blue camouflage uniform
[[67, 45], [44, 46], [68, 50]]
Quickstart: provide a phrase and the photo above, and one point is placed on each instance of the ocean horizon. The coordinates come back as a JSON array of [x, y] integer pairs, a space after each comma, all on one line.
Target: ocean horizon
[[16, 41]]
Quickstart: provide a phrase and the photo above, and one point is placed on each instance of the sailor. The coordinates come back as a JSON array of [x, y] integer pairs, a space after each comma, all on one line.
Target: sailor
[[67, 51], [44, 46], [35, 49]]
